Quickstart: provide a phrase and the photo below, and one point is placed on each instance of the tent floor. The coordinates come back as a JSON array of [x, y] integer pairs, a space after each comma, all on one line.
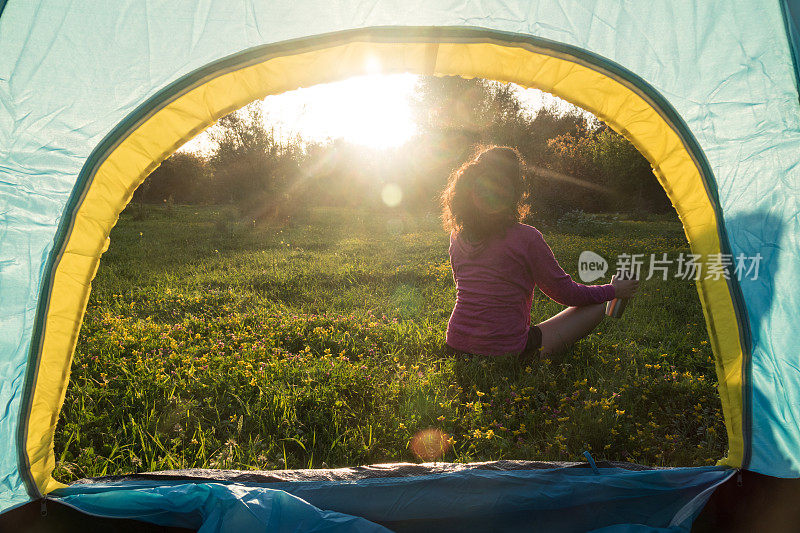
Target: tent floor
[[59, 518], [753, 502]]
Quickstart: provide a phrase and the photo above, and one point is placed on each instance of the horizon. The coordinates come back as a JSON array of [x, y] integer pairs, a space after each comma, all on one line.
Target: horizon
[[372, 110]]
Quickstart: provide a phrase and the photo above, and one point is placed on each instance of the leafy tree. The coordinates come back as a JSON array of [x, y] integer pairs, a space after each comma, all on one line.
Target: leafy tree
[[604, 173], [250, 168], [182, 178], [624, 168], [573, 161]]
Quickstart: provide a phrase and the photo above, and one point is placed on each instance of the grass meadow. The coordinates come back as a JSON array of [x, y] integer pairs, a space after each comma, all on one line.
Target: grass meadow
[[213, 343]]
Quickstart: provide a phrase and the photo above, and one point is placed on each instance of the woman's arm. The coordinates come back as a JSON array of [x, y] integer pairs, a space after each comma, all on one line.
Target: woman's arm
[[556, 283]]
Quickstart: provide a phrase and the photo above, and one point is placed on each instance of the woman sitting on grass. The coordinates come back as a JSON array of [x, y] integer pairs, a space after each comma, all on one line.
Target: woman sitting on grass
[[498, 261]]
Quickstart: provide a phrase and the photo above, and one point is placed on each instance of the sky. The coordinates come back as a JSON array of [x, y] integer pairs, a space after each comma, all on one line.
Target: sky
[[372, 110]]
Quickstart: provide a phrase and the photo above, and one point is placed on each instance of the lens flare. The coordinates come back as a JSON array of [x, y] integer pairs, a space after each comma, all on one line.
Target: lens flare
[[430, 444], [391, 195]]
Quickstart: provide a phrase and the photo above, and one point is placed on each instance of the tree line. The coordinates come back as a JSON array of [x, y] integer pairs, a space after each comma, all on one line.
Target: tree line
[[574, 162]]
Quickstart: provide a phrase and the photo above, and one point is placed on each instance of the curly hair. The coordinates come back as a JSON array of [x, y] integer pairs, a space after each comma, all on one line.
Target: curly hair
[[486, 195]]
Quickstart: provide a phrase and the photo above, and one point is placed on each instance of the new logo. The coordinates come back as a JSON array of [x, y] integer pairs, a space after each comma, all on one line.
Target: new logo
[[591, 266]]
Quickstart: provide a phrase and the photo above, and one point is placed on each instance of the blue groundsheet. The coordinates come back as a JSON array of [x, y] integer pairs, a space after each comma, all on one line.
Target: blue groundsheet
[[565, 499]]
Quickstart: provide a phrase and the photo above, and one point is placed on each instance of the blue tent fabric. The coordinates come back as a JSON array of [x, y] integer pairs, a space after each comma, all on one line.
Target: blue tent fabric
[[791, 12], [216, 508], [555, 500], [71, 73]]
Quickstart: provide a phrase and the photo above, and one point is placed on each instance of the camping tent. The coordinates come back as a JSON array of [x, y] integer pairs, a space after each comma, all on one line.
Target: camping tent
[[95, 94]]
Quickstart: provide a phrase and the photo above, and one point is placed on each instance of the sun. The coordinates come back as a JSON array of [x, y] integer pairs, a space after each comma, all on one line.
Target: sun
[[371, 110]]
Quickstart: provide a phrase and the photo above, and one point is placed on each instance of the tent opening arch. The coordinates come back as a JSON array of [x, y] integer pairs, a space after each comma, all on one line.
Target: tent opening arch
[[163, 123]]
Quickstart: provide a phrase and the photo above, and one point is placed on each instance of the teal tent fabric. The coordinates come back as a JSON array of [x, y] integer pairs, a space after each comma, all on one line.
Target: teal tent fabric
[[791, 12], [554, 500], [71, 72], [216, 508]]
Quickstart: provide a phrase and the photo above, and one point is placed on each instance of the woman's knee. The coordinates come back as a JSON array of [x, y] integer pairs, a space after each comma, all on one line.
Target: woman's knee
[[569, 326], [598, 312], [590, 317]]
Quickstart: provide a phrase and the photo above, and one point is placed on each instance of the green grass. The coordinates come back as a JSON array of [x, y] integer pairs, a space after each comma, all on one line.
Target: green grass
[[211, 343]]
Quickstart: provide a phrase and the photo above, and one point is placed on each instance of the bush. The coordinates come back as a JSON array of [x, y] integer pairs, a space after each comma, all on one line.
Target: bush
[[578, 222]]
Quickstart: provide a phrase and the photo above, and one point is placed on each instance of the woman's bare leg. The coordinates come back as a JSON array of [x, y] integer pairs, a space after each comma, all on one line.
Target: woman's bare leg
[[564, 329]]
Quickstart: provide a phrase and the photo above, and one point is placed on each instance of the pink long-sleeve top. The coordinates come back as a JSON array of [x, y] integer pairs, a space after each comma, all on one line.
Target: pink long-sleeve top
[[495, 280]]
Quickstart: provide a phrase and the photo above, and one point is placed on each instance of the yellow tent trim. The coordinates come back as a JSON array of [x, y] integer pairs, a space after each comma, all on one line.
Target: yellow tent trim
[[155, 137]]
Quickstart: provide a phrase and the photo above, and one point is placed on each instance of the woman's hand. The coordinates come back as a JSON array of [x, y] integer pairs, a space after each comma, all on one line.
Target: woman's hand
[[624, 288]]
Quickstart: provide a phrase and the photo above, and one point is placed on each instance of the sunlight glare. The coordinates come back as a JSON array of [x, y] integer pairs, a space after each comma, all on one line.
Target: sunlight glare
[[391, 195], [372, 110], [373, 65]]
